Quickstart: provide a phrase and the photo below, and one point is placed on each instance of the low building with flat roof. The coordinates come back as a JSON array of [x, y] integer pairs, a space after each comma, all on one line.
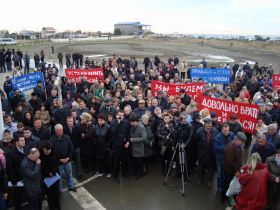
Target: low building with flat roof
[[132, 28]]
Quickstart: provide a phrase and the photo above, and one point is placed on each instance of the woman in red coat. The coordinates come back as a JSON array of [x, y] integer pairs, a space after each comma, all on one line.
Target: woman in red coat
[[253, 179]]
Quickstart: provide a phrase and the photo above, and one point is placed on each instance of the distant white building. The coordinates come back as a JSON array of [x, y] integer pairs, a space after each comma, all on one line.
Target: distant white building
[[27, 33], [133, 28], [48, 32]]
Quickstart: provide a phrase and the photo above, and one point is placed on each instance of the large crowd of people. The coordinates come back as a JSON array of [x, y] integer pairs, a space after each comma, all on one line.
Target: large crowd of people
[[108, 127]]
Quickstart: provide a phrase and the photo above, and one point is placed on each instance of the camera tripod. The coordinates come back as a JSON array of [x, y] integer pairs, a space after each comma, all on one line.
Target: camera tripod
[[183, 166]]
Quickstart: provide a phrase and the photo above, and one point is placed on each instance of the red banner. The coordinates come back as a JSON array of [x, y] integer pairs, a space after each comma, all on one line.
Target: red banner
[[174, 89], [247, 114], [276, 81], [89, 74]]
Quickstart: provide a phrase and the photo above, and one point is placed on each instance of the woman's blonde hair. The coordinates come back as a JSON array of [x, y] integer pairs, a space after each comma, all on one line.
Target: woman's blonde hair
[[252, 162], [86, 118]]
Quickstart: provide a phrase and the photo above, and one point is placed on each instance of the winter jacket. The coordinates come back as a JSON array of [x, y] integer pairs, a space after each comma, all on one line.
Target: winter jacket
[[63, 146], [148, 142], [163, 133], [274, 139], [220, 141], [43, 133], [31, 142], [235, 128], [32, 177], [14, 159], [44, 117], [74, 135], [87, 142], [266, 118], [233, 158], [139, 112], [138, 136], [102, 140], [264, 152], [205, 149], [49, 163], [254, 189], [3, 181], [119, 134]]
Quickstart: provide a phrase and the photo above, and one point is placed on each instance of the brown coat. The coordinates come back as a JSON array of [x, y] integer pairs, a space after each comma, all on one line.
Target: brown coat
[[233, 158], [44, 117]]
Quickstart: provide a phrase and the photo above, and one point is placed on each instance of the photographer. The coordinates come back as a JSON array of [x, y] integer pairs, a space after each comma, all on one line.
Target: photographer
[[165, 144], [181, 135]]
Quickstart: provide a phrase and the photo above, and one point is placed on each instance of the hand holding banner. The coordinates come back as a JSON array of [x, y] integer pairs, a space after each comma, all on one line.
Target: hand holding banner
[[276, 81], [247, 114], [174, 89], [89, 74], [211, 75], [27, 81]]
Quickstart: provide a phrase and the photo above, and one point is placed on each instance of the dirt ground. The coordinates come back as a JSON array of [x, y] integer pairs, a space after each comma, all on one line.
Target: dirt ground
[[214, 51]]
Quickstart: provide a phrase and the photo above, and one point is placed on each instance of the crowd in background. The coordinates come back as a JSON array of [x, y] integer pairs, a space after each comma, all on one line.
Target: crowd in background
[[111, 126]]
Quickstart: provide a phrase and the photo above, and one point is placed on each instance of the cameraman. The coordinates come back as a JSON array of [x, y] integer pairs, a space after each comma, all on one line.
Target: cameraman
[[181, 135], [165, 144]]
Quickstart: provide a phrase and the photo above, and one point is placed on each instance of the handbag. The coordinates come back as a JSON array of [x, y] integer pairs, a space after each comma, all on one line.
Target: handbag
[[234, 187]]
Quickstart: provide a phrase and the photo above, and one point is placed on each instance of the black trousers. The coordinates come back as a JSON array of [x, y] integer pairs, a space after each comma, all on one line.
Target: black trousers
[[120, 159], [206, 168], [102, 165], [18, 193], [68, 63], [165, 160], [183, 74], [53, 196], [88, 161], [34, 202], [138, 166], [227, 177]]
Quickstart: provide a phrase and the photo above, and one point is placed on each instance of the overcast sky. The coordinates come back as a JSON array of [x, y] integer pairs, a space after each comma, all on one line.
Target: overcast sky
[[165, 16]]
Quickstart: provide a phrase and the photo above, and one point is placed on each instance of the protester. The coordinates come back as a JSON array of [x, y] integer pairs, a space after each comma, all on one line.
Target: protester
[[49, 165], [206, 157], [3, 187], [253, 178], [72, 131], [232, 163], [64, 149], [120, 131], [164, 142], [221, 140], [138, 136], [85, 132], [273, 165], [263, 147], [102, 142], [96, 116], [14, 159], [32, 177], [148, 142], [272, 136]]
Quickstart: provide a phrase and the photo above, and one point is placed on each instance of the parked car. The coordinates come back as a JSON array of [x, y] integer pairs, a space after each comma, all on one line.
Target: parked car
[[7, 41]]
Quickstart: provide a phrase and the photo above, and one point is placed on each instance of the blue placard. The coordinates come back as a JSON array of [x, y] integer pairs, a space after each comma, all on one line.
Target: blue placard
[[27, 81], [211, 75]]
